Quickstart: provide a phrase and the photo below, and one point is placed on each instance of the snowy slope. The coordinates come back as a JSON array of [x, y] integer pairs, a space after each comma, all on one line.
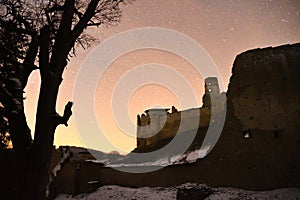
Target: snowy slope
[[185, 191], [189, 157]]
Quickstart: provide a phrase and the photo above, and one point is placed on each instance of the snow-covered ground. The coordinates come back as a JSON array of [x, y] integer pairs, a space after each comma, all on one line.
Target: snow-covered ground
[[188, 157], [186, 191]]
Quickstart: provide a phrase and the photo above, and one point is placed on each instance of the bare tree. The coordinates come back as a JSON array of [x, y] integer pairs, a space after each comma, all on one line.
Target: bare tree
[[41, 35]]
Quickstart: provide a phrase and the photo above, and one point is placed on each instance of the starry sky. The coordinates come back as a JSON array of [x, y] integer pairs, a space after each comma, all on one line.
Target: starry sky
[[224, 28]]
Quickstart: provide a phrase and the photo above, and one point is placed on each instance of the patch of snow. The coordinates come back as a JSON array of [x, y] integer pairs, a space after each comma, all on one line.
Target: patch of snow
[[233, 193], [93, 182], [105, 161], [117, 192], [160, 162], [112, 192], [192, 156]]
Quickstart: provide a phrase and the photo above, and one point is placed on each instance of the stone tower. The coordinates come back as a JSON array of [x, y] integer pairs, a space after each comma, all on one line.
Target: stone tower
[[212, 90]]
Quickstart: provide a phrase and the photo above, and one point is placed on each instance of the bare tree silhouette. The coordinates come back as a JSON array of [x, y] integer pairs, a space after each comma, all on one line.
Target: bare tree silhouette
[[41, 35]]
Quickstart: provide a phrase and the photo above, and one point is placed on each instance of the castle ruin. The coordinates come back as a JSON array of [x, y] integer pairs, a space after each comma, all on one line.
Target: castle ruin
[[156, 125]]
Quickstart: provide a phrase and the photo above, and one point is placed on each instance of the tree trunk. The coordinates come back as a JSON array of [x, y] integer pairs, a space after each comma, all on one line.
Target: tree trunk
[[40, 154], [47, 119], [21, 138]]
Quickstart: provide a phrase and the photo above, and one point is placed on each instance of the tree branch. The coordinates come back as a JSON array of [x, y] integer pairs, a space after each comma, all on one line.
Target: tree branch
[[66, 22], [44, 52], [8, 101], [81, 25], [91, 23], [78, 13], [92, 10], [60, 48], [67, 114], [16, 28], [32, 51], [28, 65]]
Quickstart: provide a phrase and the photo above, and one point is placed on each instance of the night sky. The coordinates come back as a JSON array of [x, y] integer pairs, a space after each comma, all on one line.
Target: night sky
[[223, 28]]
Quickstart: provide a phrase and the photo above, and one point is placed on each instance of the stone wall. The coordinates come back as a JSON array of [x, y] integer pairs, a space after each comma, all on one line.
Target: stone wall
[[264, 88], [259, 146]]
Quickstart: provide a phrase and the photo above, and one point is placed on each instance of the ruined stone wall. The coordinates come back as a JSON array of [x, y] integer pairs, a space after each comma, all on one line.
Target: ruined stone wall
[[264, 88], [167, 126], [260, 142]]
